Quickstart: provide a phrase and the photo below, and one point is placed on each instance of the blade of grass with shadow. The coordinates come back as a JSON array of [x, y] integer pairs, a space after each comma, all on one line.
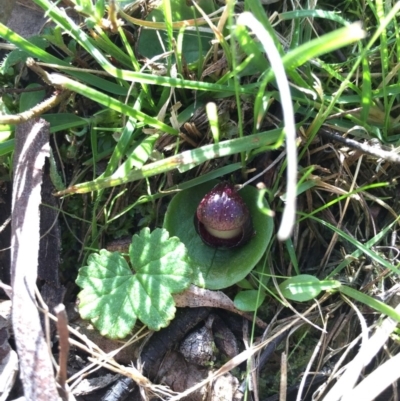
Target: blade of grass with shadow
[[193, 158]]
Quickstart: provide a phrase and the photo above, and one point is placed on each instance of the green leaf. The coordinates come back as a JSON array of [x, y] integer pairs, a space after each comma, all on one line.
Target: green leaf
[[366, 99], [194, 42], [245, 284], [330, 15], [192, 157], [100, 9], [30, 99], [113, 296], [301, 188], [371, 302], [19, 56], [65, 121], [137, 157], [6, 131], [249, 301], [216, 268], [7, 147], [305, 287], [252, 49], [55, 176]]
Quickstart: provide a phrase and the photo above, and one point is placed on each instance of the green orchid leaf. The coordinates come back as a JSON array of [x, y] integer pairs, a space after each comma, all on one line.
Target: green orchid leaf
[[305, 287], [249, 301], [245, 284], [114, 296], [216, 268]]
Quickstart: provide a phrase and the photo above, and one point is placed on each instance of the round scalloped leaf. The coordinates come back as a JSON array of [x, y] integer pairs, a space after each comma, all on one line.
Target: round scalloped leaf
[[217, 268], [113, 296]]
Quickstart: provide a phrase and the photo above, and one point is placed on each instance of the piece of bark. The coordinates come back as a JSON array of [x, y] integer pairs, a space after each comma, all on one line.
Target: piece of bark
[[180, 375], [6, 7], [8, 357], [5, 232], [154, 351], [163, 340], [90, 385], [50, 247], [50, 236], [32, 146], [198, 346], [224, 339]]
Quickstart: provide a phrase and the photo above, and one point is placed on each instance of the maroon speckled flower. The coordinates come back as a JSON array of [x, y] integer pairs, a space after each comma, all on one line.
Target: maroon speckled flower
[[222, 218]]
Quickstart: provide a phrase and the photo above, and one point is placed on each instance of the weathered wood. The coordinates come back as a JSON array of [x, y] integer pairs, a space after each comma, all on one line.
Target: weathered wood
[[32, 147]]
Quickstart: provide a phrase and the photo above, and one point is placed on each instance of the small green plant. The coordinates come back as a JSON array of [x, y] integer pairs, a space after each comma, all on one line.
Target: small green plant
[[216, 268], [305, 287], [114, 295]]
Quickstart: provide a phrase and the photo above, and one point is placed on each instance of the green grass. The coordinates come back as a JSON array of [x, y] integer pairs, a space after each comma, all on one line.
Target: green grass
[[141, 128]]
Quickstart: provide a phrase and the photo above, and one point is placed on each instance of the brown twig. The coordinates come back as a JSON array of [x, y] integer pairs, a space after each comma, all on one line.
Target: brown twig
[[41, 108], [62, 329], [63, 345], [36, 111], [113, 16], [375, 150]]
